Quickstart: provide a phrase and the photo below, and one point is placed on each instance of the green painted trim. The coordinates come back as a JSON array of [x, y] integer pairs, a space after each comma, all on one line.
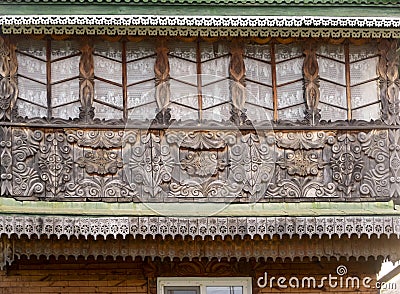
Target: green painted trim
[[11, 9], [11, 206]]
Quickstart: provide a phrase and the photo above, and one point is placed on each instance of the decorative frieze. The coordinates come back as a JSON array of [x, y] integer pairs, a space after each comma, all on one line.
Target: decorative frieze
[[214, 227], [214, 166], [198, 249]]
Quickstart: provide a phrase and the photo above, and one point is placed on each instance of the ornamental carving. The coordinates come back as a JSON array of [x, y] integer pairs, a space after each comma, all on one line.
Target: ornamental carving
[[149, 164], [302, 163], [8, 79], [159, 249], [55, 162], [347, 163], [311, 79], [389, 81], [163, 94], [394, 163], [100, 139], [194, 165], [5, 161], [214, 227], [202, 163], [26, 177], [86, 83], [100, 162]]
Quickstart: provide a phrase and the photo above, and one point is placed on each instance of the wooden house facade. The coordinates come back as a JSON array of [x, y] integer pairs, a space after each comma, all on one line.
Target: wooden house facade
[[198, 147]]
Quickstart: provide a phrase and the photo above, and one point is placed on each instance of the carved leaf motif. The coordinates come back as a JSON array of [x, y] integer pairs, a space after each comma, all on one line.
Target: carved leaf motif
[[100, 187], [311, 77], [202, 163], [86, 83], [55, 162], [5, 161], [303, 163], [252, 163], [200, 139], [8, 79], [304, 139], [26, 180], [394, 162], [150, 164], [100, 162], [295, 188], [100, 139]]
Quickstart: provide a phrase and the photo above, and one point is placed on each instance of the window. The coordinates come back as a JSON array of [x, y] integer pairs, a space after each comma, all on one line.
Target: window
[[122, 77], [225, 285]]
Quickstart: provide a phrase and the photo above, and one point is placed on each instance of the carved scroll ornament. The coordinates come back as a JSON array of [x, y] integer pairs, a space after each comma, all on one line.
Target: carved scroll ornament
[[8, 79]]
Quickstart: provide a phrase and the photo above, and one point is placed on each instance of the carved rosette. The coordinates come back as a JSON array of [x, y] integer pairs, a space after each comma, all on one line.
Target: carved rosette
[[389, 81], [86, 84], [100, 162], [163, 94], [8, 79], [311, 78]]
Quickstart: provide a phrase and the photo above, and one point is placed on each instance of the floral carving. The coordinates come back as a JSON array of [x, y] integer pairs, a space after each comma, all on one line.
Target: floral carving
[[201, 139], [26, 179], [99, 188], [295, 188], [55, 162], [100, 162], [252, 163], [150, 164], [8, 79], [347, 163], [302, 163], [304, 139], [202, 163], [100, 139]]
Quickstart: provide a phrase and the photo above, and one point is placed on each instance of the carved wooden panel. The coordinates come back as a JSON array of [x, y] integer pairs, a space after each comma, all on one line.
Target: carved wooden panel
[[198, 165]]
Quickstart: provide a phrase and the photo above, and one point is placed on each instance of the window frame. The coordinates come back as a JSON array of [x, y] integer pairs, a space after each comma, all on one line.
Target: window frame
[[203, 282]]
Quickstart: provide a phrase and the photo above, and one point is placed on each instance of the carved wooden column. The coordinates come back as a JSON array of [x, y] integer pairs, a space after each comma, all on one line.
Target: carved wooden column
[[237, 74], [161, 70], [5, 162], [86, 83], [8, 79], [389, 81], [311, 79], [6, 252]]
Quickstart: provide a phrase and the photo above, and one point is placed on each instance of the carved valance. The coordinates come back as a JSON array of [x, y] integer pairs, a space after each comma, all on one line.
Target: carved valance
[[193, 227]]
